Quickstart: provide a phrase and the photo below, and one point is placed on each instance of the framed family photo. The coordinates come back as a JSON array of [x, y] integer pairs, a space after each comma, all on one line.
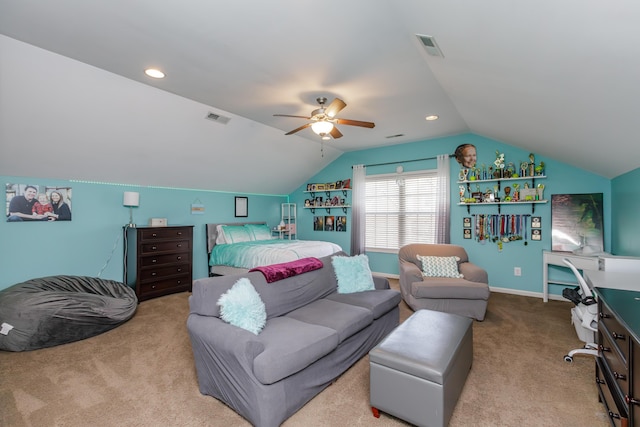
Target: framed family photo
[[29, 202]]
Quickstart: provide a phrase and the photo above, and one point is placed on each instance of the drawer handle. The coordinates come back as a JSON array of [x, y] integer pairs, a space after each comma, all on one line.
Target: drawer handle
[[621, 377], [179, 233], [599, 381], [154, 273], [631, 401], [153, 248], [179, 282], [154, 260], [179, 245], [617, 336], [604, 349], [153, 286], [154, 235], [612, 415], [179, 258], [604, 316], [179, 270]]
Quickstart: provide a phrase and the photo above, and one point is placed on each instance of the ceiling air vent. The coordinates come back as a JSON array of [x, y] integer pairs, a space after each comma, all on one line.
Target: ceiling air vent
[[430, 45], [218, 118]]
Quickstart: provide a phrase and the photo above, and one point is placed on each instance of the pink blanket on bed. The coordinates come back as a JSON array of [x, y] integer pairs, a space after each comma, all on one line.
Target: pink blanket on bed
[[277, 272]]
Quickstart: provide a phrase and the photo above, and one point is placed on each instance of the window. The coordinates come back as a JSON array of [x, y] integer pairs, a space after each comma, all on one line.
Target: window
[[400, 209]]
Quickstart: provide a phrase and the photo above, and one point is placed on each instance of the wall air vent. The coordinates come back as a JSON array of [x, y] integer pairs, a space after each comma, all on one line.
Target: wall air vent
[[398, 135], [218, 118], [430, 45]]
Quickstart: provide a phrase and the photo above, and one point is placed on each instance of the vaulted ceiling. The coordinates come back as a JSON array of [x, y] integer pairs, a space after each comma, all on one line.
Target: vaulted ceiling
[[559, 78]]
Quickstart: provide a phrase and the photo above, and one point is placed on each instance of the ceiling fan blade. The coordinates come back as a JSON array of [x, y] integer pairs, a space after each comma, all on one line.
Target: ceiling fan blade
[[335, 107], [355, 123], [335, 133], [287, 115], [298, 129]]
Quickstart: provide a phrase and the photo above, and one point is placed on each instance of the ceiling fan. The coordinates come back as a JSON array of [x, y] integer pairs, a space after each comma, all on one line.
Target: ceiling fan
[[324, 120]]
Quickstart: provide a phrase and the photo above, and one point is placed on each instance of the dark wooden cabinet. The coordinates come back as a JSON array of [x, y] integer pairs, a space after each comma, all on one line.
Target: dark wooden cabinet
[[159, 260], [618, 362]]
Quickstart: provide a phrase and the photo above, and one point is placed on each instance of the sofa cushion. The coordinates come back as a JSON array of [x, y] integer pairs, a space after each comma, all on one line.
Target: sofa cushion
[[353, 273], [242, 307], [345, 319], [380, 301], [449, 288], [440, 266], [290, 346]]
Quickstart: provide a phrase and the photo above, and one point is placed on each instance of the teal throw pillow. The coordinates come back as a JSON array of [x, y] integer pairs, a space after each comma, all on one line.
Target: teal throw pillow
[[236, 234], [259, 231], [353, 274], [440, 266], [242, 306]]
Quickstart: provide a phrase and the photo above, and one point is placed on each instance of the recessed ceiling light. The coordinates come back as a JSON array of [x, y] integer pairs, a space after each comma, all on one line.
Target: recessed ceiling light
[[432, 117], [155, 73]]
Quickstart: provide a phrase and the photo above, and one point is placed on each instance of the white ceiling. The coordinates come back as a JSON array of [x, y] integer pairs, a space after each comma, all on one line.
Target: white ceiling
[[558, 78]]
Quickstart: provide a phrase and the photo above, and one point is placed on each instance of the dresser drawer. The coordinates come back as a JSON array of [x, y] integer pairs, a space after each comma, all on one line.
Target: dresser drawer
[[177, 283], [151, 260], [618, 335], [168, 246], [615, 409], [159, 272], [163, 233]]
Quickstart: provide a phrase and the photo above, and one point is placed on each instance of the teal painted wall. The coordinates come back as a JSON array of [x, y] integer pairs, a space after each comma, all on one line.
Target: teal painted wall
[[94, 237], [625, 239], [562, 179]]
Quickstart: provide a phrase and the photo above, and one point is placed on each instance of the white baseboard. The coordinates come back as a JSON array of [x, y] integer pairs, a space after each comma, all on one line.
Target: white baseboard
[[494, 289]]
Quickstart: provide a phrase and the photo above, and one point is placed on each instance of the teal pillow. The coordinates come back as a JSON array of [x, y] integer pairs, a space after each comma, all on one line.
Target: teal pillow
[[259, 231], [242, 306], [440, 266], [353, 274], [236, 234]]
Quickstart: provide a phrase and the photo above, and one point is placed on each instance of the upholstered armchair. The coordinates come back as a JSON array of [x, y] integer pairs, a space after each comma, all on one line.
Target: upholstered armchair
[[466, 295]]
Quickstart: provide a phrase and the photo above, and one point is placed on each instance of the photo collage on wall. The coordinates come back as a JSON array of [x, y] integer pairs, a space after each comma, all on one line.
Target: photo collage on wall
[[28, 202], [330, 223]]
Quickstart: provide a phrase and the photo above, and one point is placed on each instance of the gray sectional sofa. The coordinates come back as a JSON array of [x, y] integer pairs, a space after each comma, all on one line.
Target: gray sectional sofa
[[312, 335]]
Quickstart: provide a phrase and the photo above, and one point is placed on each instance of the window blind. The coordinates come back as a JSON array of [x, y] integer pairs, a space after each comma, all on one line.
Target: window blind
[[400, 209]]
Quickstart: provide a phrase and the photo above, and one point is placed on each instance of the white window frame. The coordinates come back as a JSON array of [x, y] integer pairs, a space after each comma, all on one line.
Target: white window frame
[[420, 207]]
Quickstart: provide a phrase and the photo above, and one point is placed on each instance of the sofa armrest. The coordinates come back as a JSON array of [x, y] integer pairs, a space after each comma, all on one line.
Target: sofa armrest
[[473, 273], [381, 282], [409, 272]]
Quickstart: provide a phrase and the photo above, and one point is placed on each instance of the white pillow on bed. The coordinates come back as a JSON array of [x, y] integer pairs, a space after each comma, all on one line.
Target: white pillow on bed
[[220, 239], [259, 231], [236, 234]]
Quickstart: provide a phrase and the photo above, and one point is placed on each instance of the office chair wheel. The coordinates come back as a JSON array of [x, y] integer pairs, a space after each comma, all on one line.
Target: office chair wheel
[[568, 358]]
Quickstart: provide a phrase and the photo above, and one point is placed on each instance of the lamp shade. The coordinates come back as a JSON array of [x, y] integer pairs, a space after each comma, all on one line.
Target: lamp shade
[[322, 127], [131, 198]]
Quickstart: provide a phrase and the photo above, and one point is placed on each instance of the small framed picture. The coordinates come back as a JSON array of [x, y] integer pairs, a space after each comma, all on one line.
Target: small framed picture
[[320, 187], [467, 233], [535, 222], [242, 207], [536, 235], [466, 222], [318, 223]]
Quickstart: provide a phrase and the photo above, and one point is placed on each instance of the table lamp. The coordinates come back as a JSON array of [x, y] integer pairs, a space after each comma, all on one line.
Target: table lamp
[[131, 200]]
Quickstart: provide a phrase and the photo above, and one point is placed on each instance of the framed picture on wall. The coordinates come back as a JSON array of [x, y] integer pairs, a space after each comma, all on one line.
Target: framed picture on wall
[[341, 223], [535, 222], [242, 207], [577, 223], [318, 223], [467, 233], [28, 203], [536, 234]]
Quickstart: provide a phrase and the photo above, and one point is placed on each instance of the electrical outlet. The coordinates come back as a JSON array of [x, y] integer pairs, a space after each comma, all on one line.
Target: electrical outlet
[[517, 271]]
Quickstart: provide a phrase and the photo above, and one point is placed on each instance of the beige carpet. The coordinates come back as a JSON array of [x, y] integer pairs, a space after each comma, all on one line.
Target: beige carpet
[[142, 374]]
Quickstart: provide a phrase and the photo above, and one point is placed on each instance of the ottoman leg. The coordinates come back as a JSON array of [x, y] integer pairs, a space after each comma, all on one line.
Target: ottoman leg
[[375, 411]]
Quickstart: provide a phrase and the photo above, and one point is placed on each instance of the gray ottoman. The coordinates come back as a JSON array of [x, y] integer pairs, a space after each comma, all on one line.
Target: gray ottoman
[[418, 371]]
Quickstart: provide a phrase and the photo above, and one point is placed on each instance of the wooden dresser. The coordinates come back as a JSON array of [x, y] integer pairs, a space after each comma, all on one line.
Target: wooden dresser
[[618, 363], [158, 260]]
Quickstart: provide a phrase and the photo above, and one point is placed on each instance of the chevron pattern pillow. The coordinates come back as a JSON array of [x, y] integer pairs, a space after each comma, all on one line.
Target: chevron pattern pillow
[[440, 266]]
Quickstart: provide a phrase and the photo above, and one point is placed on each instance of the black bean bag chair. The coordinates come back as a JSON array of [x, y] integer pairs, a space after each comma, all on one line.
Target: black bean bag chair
[[55, 310]]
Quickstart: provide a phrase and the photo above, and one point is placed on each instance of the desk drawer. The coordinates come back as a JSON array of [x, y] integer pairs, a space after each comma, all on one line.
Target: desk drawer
[[169, 246], [615, 332], [613, 360], [615, 409]]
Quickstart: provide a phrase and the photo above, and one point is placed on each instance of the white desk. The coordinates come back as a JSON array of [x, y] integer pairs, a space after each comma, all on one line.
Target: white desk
[[627, 281], [582, 262]]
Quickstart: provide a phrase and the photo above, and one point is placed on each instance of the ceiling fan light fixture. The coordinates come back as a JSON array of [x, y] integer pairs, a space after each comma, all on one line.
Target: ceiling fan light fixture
[[322, 127], [325, 137]]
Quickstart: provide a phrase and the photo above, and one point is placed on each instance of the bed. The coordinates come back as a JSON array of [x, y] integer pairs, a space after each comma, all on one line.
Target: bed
[[235, 248]]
